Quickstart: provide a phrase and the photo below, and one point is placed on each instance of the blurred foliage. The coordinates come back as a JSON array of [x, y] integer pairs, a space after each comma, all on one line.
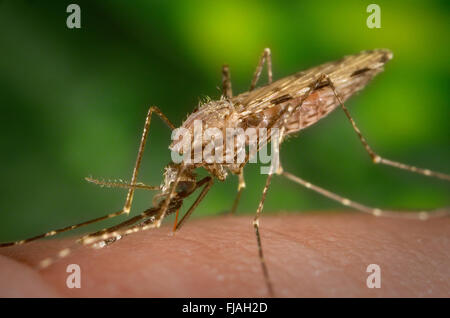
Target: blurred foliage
[[73, 101]]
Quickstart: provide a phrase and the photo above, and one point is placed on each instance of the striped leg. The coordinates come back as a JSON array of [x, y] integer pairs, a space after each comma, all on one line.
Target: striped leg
[[149, 218], [241, 187], [146, 220], [76, 226], [132, 186], [65, 229], [153, 109], [418, 215], [104, 236], [258, 237], [375, 157], [157, 215], [266, 55]]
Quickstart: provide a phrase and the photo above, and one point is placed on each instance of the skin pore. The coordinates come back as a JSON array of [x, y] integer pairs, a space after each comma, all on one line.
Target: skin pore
[[308, 255]]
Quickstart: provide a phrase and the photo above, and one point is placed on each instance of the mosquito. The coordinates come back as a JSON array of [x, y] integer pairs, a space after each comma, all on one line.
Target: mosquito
[[290, 104]]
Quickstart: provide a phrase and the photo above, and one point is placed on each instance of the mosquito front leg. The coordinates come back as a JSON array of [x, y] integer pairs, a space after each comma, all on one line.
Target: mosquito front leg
[[76, 226], [132, 186], [152, 217], [157, 217], [65, 229], [258, 237], [227, 91], [153, 109], [375, 157], [103, 236], [266, 55], [421, 215], [149, 216], [116, 232]]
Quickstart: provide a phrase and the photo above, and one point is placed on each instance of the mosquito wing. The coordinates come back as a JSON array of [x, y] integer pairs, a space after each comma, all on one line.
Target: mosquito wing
[[349, 75]]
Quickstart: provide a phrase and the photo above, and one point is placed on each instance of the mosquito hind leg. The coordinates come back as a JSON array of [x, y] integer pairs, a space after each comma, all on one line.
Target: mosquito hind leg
[[258, 237], [377, 159], [265, 56], [418, 215]]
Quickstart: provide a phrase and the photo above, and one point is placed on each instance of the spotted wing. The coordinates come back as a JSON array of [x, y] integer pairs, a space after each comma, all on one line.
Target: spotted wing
[[349, 75]]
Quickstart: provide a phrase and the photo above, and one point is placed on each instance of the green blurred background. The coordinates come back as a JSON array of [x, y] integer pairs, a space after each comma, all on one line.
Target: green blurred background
[[73, 101]]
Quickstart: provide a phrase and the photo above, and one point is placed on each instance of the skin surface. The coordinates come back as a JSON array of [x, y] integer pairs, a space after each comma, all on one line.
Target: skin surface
[[323, 255]]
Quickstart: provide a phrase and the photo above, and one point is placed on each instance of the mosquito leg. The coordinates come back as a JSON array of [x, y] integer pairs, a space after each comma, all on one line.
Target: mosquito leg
[[156, 215], [420, 215], [153, 109], [60, 255], [152, 219], [258, 237], [266, 55], [68, 228], [176, 221], [102, 235], [165, 205], [129, 199], [147, 220], [227, 91], [209, 182], [375, 157], [121, 184], [241, 187]]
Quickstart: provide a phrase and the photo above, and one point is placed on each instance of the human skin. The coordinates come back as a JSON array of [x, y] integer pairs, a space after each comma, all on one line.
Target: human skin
[[308, 255]]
